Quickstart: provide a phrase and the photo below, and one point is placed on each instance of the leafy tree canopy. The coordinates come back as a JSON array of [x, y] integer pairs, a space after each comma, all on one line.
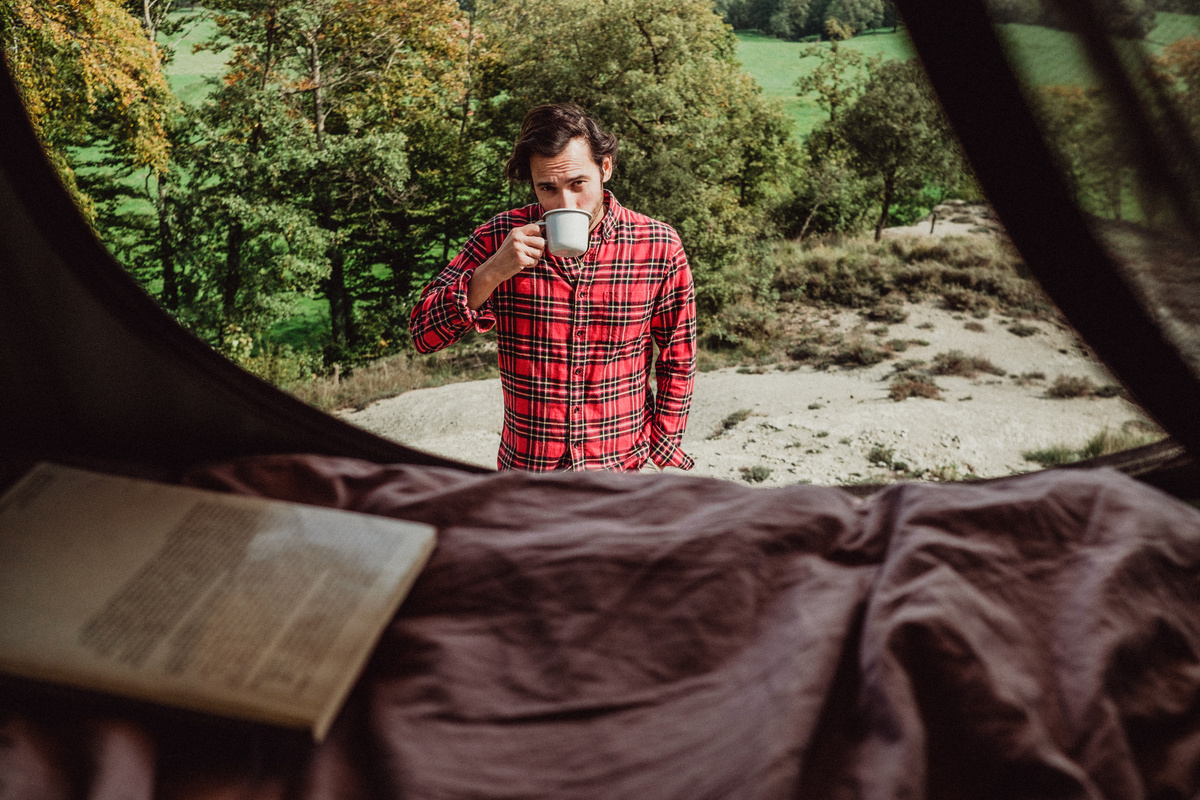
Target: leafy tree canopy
[[701, 148], [897, 135], [88, 75]]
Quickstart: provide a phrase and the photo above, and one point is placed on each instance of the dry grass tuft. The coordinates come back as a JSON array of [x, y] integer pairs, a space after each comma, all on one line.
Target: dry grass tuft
[[906, 386], [388, 377], [955, 362], [1066, 387]]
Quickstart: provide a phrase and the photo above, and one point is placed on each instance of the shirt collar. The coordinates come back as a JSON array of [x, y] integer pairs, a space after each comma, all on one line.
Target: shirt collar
[[612, 209]]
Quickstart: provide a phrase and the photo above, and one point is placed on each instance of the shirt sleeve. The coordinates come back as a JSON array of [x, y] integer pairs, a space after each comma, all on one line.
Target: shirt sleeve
[[674, 329], [441, 317]]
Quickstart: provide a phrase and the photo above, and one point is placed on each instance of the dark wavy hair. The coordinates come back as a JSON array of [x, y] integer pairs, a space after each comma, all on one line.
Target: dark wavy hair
[[548, 129]]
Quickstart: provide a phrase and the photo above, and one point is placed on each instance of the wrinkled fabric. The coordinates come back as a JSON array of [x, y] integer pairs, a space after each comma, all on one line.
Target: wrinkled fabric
[[634, 636]]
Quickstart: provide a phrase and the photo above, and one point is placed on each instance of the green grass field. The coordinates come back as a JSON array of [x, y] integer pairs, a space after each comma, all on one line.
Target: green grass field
[[1044, 57], [776, 66], [188, 71]]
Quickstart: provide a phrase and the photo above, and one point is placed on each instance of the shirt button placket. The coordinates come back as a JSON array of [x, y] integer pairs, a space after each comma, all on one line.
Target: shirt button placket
[[576, 367]]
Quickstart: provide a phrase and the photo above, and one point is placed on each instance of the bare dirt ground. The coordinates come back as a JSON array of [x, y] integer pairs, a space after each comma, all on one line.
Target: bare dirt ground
[[832, 426]]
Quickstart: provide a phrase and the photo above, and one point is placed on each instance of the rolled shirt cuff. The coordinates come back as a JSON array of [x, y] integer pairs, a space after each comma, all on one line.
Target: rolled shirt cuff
[[482, 319], [665, 452]]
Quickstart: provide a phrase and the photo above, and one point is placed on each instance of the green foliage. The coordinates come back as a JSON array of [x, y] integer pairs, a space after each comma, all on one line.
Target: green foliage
[[748, 327], [756, 474], [700, 147], [1131, 19], [795, 19], [897, 136], [839, 77], [1052, 456], [1091, 149], [90, 78], [863, 274], [1132, 434], [732, 421]]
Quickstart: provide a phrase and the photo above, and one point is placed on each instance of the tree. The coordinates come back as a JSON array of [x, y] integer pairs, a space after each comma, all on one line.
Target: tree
[[897, 135], [301, 159], [89, 77], [841, 73], [1080, 124], [858, 15], [700, 146], [1178, 68]]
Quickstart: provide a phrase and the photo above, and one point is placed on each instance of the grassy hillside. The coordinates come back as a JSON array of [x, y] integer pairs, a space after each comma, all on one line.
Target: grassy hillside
[[1045, 57], [777, 65], [188, 71]]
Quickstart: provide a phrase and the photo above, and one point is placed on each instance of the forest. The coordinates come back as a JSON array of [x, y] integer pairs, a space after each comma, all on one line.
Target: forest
[[284, 176]]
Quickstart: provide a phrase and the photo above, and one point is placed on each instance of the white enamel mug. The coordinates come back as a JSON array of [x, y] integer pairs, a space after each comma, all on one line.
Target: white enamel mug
[[566, 231]]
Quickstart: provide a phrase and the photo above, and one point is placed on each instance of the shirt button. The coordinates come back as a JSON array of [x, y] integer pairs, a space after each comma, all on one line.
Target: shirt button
[[579, 333], [576, 411], [579, 370]]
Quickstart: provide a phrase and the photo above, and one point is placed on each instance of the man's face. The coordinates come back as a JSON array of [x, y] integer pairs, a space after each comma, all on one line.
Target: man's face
[[571, 179]]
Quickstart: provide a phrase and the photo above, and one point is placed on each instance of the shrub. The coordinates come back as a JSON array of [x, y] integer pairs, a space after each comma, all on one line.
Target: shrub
[[955, 362], [974, 327], [881, 456], [958, 299], [1021, 329], [1027, 378], [888, 310], [744, 326], [755, 474], [1066, 387], [388, 377], [732, 421], [857, 352], [906, 386], [1106, 442]]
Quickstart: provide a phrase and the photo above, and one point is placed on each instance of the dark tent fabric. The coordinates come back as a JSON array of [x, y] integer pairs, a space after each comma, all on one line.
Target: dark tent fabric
[[584, 635], [637, 636]]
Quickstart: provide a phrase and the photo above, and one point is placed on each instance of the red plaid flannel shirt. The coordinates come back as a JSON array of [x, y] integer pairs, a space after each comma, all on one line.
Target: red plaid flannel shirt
[[574, 338]]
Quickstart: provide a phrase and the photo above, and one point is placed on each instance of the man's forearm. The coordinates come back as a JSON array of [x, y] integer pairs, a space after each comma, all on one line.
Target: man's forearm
[[483, 282]]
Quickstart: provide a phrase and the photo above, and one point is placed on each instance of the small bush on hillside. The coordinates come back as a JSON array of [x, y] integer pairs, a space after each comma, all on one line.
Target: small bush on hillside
[[860, 273], [1021, 329], [858, 352], [955, 362], [974, 327], [750, 328], [881, 456], [906, 386], [1066, 387], [755, 474], [1027, 378], [732, 421], [959, 299], [889, 310]]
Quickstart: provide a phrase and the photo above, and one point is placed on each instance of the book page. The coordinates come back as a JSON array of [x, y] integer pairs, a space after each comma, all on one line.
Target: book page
[[226, 604]]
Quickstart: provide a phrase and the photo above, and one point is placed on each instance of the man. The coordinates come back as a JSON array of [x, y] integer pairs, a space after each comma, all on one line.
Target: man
[[575, 335]]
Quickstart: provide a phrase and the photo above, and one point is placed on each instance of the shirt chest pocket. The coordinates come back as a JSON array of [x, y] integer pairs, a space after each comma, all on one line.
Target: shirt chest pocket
[[622, 313]]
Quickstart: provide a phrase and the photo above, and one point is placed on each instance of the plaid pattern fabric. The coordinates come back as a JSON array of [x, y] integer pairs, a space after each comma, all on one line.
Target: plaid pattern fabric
[[575, 340]]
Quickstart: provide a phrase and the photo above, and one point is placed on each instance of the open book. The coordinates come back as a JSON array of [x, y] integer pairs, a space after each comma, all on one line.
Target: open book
[[234, 606]]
